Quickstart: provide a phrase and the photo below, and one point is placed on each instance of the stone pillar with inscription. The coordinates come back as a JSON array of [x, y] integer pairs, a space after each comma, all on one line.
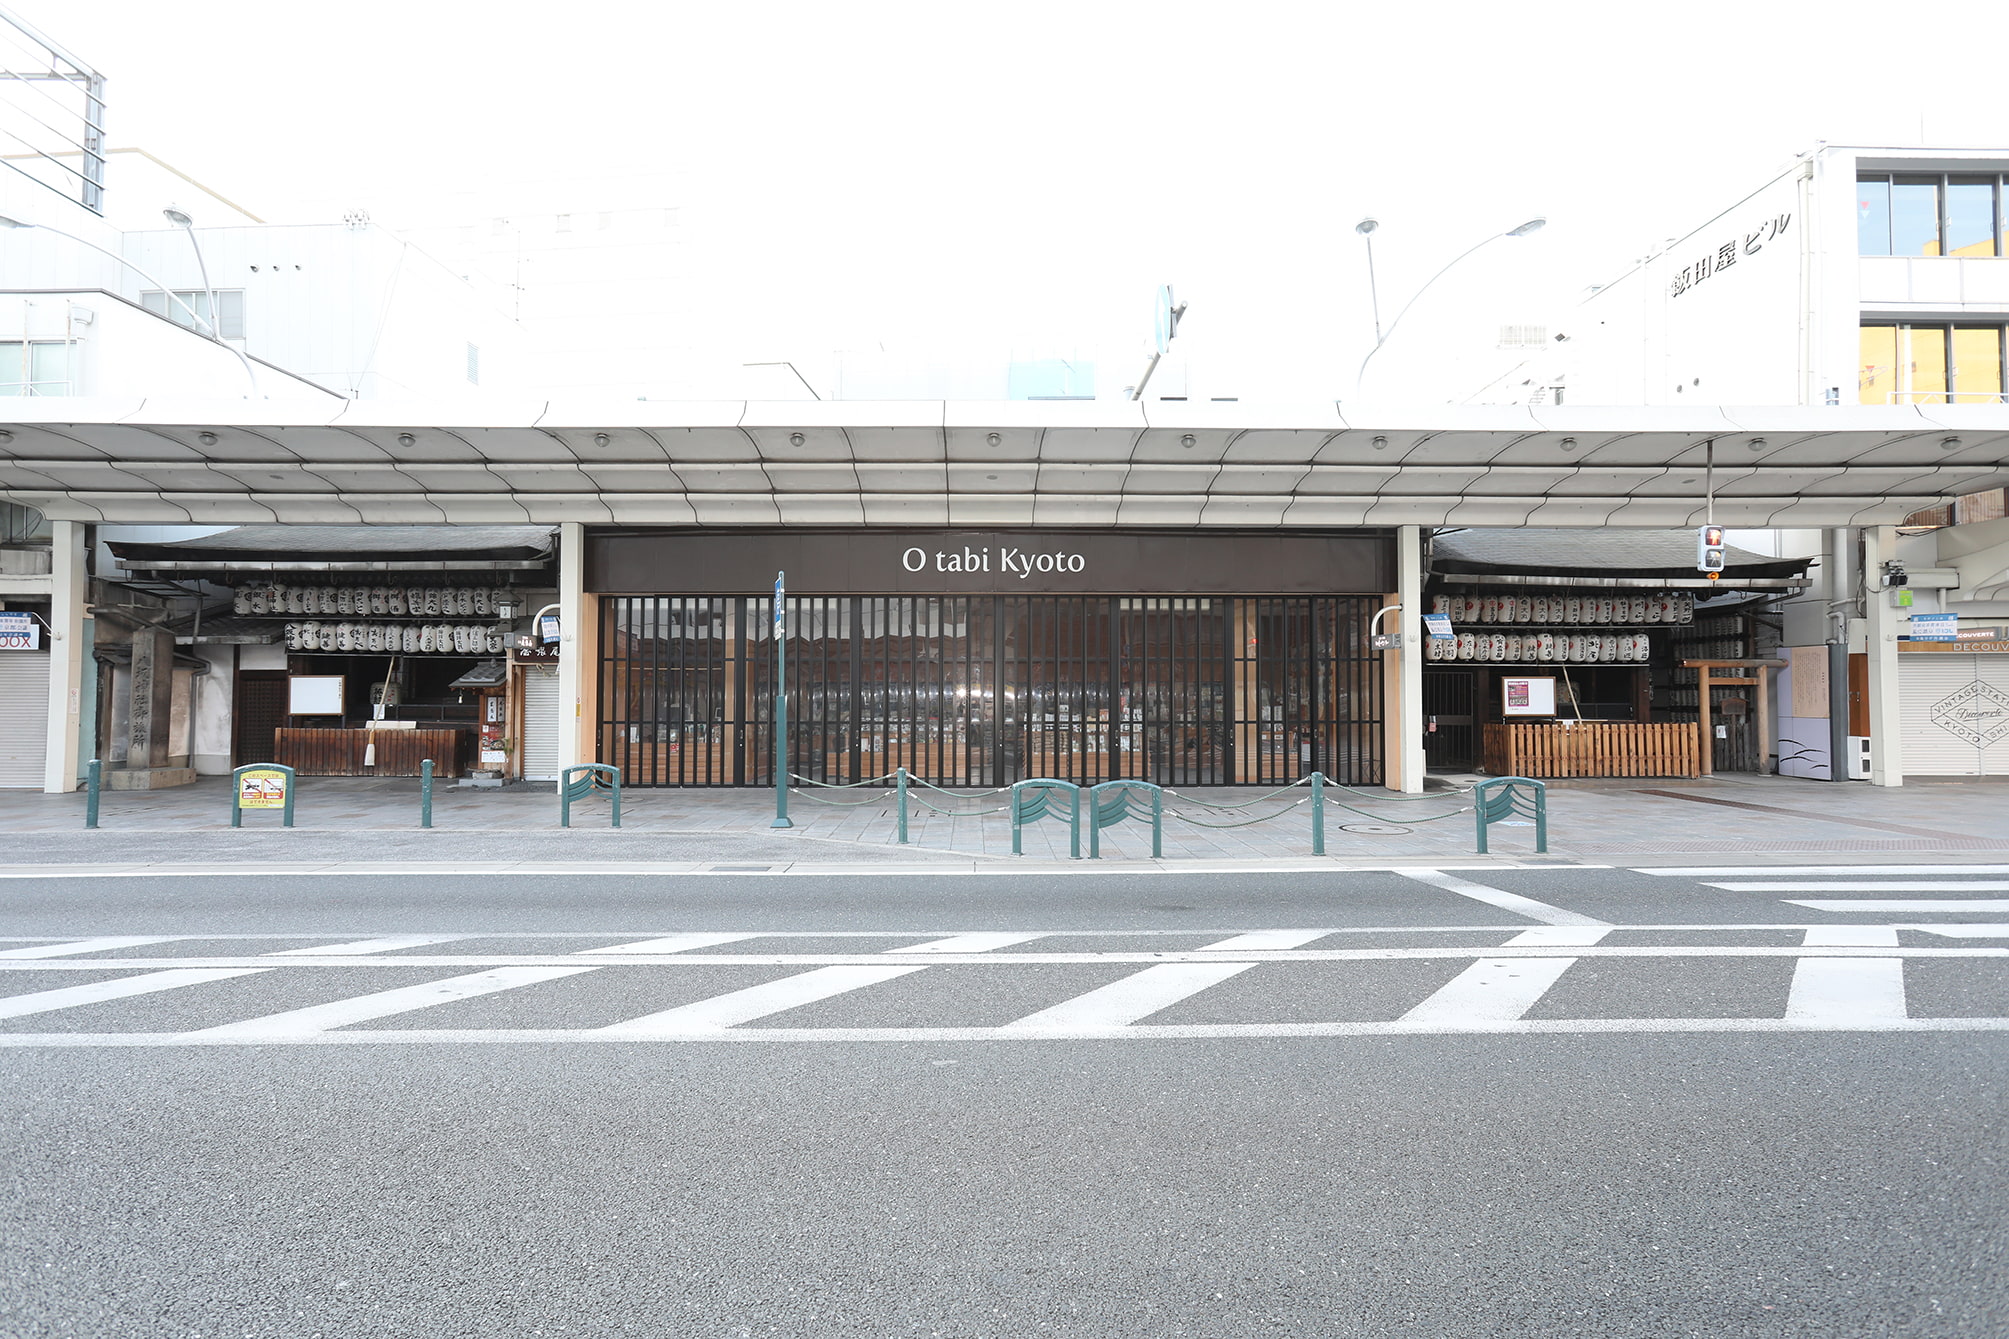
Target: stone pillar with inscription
[[149, 718]]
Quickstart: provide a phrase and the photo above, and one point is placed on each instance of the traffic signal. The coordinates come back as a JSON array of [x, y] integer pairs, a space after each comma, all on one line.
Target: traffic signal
[[1709, 551]]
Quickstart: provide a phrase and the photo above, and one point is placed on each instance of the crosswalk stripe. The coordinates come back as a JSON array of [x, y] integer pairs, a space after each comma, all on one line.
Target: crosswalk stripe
[[1846, 990], [671, 944], [1500, 897], [969, 943], [1852, 936], [1492, 990], [1918, 906], [384, 1003], [1789, 871], [386, 944], [86, 946], [1265, 939], [1136, 996], [1869, 886], [119, 988], [744, 1006], [1966, 931], [1560, 936]]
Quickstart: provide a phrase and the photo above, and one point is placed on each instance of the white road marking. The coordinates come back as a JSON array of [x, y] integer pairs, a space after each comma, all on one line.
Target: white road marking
[[744, 1006], [387, 944], [1846, 990], [969, 943], [124, 987], [1852, 936], [1009, 866], [1491, 990], [1919, 906], [671, 944], [86, 946], [384, 1003], [1265, 939], [1559, 936], [1965, 931], [1869, 886], [1139, 995], [1004, 960], [1788, 871], [1137, 1032], [1499, 897]]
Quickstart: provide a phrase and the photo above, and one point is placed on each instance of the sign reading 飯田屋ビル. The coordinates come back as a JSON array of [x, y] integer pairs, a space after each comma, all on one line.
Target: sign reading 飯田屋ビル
[[1049, 562], [19, 632]]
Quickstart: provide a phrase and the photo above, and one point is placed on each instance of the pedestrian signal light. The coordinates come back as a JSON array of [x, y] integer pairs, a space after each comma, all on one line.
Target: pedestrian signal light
[[1709, 551]]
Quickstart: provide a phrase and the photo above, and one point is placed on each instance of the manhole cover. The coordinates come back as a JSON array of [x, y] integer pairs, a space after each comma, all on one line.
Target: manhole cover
[[1374, 829]]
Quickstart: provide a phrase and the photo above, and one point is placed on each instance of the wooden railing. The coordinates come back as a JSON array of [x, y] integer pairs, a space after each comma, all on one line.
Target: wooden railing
[[1594, 748], [317, 751]]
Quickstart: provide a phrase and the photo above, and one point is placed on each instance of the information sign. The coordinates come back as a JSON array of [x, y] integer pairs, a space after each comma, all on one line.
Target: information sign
[[261, 788], [19, 632], [780, 604], [1439, 626], [1935, 627], [1527, 696]]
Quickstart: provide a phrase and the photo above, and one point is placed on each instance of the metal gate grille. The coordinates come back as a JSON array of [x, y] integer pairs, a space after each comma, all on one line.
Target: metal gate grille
[[985, 690]]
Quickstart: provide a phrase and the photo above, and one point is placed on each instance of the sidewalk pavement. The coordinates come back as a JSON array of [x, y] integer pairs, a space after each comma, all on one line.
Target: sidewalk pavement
[[1637, 821]]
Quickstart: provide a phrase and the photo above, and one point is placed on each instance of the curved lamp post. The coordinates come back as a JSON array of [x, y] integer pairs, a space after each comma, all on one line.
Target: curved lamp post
[[1367, 226], [200, 325]]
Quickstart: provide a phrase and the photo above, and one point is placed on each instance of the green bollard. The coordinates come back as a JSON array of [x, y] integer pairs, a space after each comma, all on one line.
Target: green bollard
[[1318, 813], [425, 793], [94, 779], [900, 784]]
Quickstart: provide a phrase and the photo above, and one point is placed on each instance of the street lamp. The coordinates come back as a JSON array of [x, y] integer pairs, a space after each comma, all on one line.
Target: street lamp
[[200, 325], [1366, 229], [1367, 226]]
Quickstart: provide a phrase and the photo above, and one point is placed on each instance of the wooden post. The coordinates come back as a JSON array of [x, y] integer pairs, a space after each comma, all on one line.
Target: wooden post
[[1764, 721], [1708, 750]]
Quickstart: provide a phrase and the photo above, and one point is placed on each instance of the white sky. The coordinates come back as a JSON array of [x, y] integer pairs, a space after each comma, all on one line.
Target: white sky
[[975, 176]]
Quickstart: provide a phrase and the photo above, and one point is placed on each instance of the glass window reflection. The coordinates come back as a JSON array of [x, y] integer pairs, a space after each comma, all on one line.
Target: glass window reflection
[[1914, 216], [1877, 379], [1970, 216], [1977, 364], [1873, 216]]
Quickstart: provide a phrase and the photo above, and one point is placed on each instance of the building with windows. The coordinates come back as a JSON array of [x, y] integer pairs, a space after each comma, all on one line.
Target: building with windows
[[1855, 278]]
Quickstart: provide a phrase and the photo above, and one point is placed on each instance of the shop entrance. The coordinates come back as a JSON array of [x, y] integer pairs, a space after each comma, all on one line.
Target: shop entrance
[[989, 689]]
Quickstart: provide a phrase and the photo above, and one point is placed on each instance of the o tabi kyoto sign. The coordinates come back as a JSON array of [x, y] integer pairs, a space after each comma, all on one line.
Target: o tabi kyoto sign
[[990, 562], [1011, 560]]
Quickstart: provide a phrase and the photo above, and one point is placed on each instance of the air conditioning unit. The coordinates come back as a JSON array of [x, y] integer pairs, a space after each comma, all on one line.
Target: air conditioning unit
[[1858, 758]]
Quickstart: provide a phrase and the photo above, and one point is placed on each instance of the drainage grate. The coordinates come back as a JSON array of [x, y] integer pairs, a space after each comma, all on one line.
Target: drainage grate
[[739, 869], [1374, 829]]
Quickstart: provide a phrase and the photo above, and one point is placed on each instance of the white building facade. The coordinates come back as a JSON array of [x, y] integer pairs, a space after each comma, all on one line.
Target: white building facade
[[1854, 277]]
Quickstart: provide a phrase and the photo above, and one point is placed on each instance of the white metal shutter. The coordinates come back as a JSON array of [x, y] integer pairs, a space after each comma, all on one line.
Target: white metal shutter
[[24, 717], [1929, 687], [540, 723], [1992, 718]]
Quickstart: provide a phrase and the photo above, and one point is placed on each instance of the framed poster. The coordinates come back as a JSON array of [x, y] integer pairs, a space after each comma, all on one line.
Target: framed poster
[[1521, 695], [314, 695]]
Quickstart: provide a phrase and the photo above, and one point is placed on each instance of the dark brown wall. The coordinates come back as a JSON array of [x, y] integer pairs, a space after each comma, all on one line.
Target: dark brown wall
[[979, 562]]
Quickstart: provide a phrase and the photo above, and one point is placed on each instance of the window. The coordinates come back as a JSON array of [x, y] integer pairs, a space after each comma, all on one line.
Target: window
[[229, 301], [35, 367], [474, 363], [1931, 364], [1930, 214]]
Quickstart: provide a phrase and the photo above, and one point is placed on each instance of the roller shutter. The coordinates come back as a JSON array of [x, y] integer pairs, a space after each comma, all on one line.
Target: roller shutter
[[1955, 713], [24, 717], [540, 723]]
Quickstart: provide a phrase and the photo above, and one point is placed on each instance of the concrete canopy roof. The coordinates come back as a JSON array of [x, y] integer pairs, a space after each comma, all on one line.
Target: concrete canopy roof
[[1018, 463]]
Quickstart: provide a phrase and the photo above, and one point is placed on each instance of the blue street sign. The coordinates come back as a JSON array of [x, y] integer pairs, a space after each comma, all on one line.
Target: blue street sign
[[780, 598]]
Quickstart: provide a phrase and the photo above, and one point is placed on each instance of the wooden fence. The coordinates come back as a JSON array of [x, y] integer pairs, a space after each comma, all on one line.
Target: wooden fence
[[1594, 748], [318, 751]]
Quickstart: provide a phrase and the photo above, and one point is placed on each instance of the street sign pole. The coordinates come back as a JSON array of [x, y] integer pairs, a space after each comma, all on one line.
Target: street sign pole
[[780, 703]]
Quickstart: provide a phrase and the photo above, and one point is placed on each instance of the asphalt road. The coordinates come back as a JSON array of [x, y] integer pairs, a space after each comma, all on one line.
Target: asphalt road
[[1631, 1144]]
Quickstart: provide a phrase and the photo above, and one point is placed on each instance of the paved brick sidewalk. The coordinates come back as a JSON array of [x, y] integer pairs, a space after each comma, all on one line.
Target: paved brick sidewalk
[[1602, 822]]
